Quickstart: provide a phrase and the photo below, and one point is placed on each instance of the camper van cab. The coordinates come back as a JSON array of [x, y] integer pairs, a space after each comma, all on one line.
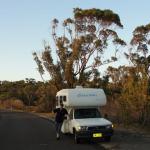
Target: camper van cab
[[84, 118]]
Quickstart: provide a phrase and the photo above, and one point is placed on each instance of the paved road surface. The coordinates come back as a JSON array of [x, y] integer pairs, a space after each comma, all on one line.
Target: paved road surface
[[23, 131]]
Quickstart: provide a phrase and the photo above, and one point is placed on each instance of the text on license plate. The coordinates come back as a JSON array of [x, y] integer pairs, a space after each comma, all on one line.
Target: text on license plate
[[97, 135]]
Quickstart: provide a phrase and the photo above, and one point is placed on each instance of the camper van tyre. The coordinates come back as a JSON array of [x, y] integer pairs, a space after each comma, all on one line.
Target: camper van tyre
[[108, 138], [76, 139]]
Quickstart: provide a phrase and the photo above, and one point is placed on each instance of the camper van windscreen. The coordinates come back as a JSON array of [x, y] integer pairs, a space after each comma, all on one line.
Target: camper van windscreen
[[87, 113]]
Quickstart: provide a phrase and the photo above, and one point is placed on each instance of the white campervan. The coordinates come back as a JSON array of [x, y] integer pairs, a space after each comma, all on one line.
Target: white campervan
[[84, 118]]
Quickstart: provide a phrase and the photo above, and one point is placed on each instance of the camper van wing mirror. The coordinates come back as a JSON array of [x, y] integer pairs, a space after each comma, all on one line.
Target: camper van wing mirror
[[106, 116]]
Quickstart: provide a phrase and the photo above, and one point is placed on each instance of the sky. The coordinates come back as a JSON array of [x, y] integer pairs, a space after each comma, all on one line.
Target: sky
[[25, 24]]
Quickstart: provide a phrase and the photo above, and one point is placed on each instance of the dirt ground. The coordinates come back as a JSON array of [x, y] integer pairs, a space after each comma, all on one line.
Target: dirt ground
[[128, 140]]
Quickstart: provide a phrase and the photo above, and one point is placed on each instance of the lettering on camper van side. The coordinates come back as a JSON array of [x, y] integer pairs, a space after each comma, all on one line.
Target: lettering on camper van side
[[86, 95]]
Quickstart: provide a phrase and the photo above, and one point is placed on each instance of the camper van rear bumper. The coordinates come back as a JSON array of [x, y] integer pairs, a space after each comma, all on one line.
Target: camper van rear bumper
[[95, 134]]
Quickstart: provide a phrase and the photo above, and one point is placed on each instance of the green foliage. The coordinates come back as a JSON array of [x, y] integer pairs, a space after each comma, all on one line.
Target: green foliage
[[107, 16], [46, 97], [130, 89], [29, 93], [134, 100], [39, 64]]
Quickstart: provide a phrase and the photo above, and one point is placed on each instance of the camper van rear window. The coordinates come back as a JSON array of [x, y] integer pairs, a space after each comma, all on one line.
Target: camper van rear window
[[64, 98]]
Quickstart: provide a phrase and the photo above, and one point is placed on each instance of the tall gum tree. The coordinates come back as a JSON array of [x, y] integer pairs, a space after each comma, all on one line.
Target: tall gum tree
[[139, 56], [89, 40]]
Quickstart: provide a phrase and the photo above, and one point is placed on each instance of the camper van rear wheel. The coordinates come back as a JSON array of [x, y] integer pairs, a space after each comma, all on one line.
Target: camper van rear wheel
[[76, 138], [108, 138]]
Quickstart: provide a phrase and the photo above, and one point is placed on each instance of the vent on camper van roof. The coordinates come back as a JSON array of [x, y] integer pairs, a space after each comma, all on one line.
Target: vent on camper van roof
[[78, 87]]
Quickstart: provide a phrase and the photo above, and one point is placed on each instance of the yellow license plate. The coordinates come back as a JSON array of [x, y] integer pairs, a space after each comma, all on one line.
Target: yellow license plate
[[97, 135]]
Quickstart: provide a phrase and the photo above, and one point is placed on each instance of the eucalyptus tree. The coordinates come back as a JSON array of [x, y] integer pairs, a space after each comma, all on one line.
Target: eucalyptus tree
[[89, 40], [139, 56], [139, 53]]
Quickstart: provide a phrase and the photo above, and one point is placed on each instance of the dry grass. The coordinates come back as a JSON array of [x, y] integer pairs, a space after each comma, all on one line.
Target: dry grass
[[14, 104]]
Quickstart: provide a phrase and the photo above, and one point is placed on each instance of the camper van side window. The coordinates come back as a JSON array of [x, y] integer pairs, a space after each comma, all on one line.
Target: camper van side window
[[71, 114], [61, 98], [64, 98]]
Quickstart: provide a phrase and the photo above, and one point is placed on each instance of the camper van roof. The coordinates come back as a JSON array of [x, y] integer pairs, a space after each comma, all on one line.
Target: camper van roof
[[82, 97]]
